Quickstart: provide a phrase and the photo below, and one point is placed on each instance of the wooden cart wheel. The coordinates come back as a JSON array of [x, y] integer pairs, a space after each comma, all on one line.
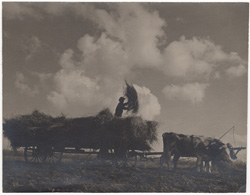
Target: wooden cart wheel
[[53, 156], [33, 154]]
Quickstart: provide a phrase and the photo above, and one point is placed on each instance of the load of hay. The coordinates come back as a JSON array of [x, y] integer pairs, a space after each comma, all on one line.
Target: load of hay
[[83, 132], [103, 130], [134, 132], [32, 129]]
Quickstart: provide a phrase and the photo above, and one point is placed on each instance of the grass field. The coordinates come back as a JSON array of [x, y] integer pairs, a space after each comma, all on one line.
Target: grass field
[[81, 173]]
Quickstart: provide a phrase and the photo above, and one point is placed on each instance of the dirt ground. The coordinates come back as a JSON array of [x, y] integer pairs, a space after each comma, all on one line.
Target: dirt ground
[[80, 173]]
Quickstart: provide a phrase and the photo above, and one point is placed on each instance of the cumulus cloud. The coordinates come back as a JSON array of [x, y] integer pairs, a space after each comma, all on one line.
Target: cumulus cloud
[[96, 81], [196, 58], [74, 88], [138, 29], [140, 32], [194, 92], [130, 38], [104, 56], [21, 84], [236, 71], [149, 105]]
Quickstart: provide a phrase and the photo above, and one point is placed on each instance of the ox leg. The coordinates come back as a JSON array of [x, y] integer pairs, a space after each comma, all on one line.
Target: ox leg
[[199, 164], [202, 166], [166, 156], [175, 160], [207, 166], [162, 159]]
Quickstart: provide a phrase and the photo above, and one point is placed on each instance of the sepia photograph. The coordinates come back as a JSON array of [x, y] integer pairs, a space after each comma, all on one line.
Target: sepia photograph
[[124, 97]]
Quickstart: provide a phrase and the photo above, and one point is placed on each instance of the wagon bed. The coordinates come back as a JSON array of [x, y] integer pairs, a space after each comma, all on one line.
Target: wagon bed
[[53, 155]]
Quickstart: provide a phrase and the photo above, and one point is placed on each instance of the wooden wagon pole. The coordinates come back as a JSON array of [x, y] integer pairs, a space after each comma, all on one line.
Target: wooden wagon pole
[[238, 149]]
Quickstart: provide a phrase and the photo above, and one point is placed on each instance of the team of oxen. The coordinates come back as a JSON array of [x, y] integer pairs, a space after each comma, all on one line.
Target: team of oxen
[[205, 149]]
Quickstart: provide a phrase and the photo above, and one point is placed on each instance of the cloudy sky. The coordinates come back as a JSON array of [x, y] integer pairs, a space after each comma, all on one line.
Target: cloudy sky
[[187, 61]]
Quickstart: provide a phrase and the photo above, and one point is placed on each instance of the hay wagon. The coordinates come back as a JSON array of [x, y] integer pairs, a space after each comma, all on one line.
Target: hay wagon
[[51, 148], [45, 138], [52, 154]]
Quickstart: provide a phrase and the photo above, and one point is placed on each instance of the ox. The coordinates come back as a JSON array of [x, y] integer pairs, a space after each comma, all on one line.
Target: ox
[[216, 151], [204, 149]]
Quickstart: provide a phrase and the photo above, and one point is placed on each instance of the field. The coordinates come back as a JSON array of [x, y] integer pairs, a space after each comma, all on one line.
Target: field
[[81, 173]]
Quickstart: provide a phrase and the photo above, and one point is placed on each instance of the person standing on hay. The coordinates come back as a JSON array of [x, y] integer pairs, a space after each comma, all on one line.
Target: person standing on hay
[[120, 107], [132, 103]]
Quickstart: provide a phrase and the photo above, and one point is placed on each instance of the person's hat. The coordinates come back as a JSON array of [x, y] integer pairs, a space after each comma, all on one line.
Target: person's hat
[[121, 99]]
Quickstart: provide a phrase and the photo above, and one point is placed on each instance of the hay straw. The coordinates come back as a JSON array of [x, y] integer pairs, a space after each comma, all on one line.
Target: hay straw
[[131, 94], [100, 131]]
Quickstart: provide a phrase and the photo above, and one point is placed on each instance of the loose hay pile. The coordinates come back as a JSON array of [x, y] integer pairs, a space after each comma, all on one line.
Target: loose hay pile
[[100, 131], [131, 94]]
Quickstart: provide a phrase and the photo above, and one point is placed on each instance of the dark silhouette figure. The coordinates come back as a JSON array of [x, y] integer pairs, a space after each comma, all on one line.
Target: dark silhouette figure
[[120, 107], [233, 154]]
